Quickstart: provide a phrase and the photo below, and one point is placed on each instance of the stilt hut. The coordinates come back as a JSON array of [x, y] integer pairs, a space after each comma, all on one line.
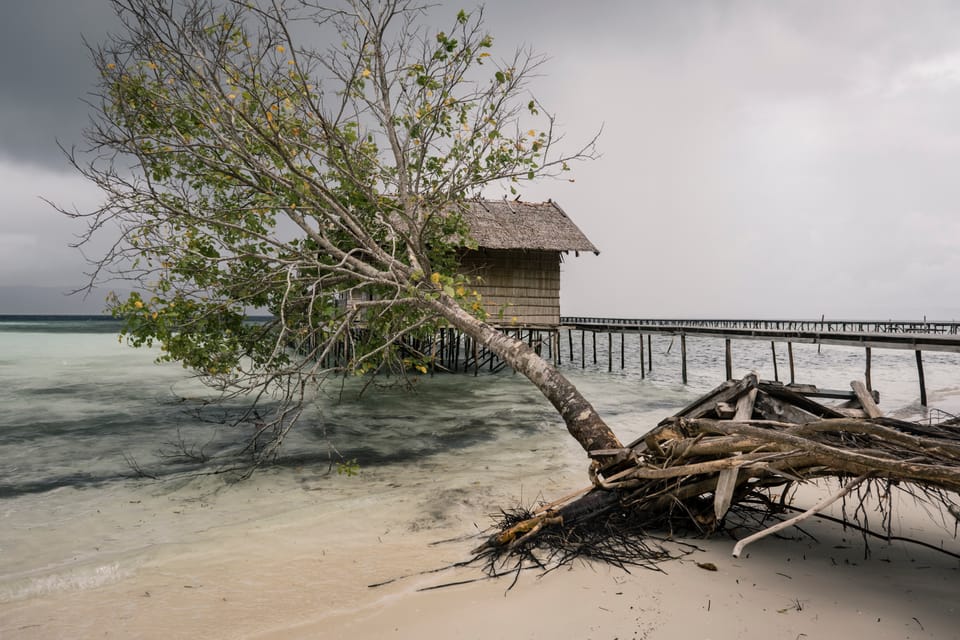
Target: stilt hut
[[516, 265]]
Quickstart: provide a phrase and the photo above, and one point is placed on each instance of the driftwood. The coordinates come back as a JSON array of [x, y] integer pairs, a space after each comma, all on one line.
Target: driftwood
[[701, 470]]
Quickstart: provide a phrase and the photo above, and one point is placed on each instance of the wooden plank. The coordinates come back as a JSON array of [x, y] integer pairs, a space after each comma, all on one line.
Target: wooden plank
[[745, 405], [800, 401], [866, 399], [771, 408], [728, 391], [723, 496]]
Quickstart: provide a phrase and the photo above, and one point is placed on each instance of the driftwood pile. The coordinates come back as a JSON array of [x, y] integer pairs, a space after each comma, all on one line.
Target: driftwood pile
[[726, 463]]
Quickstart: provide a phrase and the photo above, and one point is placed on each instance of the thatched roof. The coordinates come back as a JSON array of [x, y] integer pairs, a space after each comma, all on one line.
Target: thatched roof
[[510, 224]]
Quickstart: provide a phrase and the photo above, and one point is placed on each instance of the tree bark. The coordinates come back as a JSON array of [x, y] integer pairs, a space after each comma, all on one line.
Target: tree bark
[[582, 420]]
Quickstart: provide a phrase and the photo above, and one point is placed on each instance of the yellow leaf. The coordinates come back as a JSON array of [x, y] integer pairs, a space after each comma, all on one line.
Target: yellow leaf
[[280, 48], [366, 73]]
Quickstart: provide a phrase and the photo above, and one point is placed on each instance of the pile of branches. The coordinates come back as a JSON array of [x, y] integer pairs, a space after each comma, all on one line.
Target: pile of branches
[[726, 462]]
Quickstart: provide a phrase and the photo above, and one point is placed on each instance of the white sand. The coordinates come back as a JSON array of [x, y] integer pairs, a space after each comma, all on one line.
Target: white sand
[[307, 577]]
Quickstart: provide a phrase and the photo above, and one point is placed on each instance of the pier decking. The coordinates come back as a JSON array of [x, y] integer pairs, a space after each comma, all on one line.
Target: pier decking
[[917, 336], [922, 336]]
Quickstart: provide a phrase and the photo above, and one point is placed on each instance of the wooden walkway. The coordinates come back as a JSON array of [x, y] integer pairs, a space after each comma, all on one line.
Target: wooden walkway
[[868, 334], [922, 336]]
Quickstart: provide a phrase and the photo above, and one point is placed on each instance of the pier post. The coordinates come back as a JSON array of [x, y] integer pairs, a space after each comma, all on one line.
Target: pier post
[[570, 341], [622, 351], [683, 357], [609, 351], [728, 359], [649, 353], [643, 364], [866, 373], [583, 348], [790, 354], [594, 335], [923, 385], [773, 350]]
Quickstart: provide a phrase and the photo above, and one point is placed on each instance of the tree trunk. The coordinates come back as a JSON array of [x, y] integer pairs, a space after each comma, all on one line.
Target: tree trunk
[[582, 420]]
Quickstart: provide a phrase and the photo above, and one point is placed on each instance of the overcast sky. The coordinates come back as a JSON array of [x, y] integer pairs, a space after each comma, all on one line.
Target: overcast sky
[[760, 159]]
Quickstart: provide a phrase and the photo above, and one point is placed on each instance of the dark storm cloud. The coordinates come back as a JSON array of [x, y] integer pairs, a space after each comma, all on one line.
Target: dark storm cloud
[[759, 158], [45, 75]]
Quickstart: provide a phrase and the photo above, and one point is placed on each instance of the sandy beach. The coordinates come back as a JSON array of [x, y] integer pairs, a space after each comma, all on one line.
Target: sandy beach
[[307, 577]]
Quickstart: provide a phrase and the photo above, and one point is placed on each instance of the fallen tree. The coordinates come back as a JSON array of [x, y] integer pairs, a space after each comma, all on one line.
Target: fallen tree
[[727, 462]]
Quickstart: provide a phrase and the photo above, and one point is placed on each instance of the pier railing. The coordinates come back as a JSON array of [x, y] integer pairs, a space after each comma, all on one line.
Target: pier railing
[[917, 336], [860, 326]]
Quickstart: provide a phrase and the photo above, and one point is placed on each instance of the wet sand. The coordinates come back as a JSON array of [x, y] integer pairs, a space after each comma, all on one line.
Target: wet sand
[[305, 575]]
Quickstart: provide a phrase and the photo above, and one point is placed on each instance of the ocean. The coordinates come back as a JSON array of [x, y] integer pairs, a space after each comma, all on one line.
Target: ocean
[[85, 419]]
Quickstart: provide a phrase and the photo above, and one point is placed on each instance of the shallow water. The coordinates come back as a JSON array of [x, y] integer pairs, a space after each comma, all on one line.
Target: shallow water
[[81, 410]]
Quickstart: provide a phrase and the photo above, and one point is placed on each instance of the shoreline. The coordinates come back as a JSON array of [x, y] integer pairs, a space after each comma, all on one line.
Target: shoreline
[[308, 577]]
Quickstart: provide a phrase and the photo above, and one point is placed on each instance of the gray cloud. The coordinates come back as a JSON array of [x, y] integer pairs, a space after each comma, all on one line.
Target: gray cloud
[[789, 158]]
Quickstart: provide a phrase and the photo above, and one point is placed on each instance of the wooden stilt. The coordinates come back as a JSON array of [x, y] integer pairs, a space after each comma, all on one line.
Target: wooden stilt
[[594, 335], [728, 357], [923, 384], [790, 354], [649, 353], [866, 373], [643, 364], [773, 350], [683, 357], [623, 356], [609, 351], [583, 349]]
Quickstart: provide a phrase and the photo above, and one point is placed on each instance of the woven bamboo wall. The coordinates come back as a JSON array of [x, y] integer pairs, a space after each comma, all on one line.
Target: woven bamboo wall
[[522, 285]]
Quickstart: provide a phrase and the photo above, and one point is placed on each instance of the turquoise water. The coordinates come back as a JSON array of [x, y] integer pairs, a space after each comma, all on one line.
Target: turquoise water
[[83, 414]]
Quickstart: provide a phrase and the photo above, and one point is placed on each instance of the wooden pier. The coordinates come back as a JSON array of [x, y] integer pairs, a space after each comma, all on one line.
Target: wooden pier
[[917, 336]]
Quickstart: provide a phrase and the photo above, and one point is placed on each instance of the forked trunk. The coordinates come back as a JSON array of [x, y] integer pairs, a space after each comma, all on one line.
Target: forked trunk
[[582, 420]]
